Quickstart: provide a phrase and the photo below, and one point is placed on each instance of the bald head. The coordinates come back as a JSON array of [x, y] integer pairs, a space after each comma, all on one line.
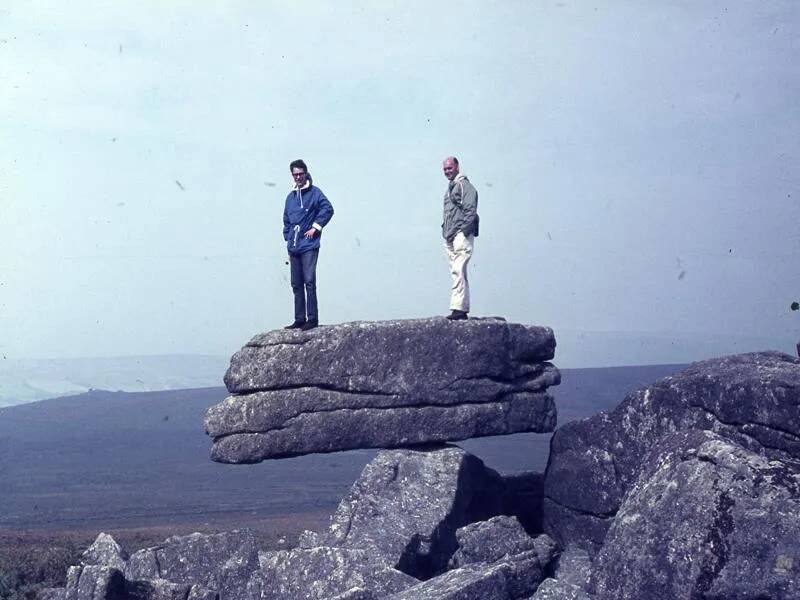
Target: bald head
[[450, 167]]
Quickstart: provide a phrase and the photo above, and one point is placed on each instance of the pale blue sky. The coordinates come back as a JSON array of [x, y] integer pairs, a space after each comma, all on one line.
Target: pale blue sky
[[636, 164]]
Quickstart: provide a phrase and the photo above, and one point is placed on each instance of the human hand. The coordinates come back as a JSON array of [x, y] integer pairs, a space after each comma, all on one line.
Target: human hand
[[310, 233]]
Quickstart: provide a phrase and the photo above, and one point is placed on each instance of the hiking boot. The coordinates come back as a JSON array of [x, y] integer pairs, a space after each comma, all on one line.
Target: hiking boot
[[296, 325], [457, 315], [310, 324]]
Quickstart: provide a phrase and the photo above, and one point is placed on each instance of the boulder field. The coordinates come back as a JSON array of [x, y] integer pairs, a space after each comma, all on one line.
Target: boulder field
[[689, 489]]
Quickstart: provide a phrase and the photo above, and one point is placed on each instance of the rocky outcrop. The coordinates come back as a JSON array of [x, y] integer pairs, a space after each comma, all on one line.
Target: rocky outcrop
[[750, 398], [193, 567], [101, 582], [382, 385], [706, 518], [406, 506], [689, 489], [223, 562], [499, 537]]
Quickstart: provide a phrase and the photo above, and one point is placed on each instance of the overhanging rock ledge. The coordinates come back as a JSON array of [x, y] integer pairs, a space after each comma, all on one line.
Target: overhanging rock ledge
[[383, 384]]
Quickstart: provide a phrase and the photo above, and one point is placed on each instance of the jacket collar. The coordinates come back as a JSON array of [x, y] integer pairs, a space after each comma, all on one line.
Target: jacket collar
[[305, 187], [456, 179]]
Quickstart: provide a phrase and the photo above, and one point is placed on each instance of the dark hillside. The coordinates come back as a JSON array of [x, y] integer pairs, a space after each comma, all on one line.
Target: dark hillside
[[114, 459]]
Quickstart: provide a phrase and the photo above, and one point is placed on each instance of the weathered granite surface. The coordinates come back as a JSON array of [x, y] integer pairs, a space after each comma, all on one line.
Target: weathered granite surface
[[499, 537], [101, 575], [105, 551], [51, 594], [383, 384], [552, 589], [156, 589], [574, 566], [472, 582], [750, 398], [705, 519], [411, 356], [406, 506], [356, 593], [321, 573], [502, 539], [94, 582], [223, 562]]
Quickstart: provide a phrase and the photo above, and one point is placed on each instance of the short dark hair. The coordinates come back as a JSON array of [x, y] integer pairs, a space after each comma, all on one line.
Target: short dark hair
[[455, 160], [298, 164]]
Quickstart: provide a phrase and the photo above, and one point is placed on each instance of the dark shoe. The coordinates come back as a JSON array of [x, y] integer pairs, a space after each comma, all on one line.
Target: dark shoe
[[296, 325], [310, 324], [457, 315]]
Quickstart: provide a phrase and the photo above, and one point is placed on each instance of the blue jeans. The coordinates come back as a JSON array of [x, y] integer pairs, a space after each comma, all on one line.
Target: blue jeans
[[304, 285]]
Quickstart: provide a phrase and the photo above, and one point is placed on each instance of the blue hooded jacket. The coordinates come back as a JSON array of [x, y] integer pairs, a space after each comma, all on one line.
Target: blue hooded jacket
[[305, 208]]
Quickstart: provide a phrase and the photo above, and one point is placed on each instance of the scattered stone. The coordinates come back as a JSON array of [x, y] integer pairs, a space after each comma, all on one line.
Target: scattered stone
[[497, 538], [94, 582], [320, 573], [473, 582], [407, 505], [223, 562], [383, 384], [705, 519], [502, 540], [105, 551], [552, 589], [750, 398]]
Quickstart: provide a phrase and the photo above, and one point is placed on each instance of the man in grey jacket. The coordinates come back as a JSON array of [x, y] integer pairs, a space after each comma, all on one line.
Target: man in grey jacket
[[459, 229]]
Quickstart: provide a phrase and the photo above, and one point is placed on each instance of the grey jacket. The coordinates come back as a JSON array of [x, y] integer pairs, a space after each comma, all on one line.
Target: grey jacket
[[460, 208]]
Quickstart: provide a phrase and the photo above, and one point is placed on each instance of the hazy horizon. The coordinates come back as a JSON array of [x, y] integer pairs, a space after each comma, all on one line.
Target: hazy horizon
[[29, 380], [636, 165]]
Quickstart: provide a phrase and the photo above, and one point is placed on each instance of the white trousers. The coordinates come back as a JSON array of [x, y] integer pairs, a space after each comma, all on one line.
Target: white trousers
[[459, 251]]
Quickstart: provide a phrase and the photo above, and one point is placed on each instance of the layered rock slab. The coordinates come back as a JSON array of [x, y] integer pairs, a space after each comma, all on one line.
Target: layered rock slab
[[752, 398], [383, 384]]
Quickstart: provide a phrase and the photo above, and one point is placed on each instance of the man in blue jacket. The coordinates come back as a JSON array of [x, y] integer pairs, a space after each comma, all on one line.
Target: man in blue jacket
[[305, 213]]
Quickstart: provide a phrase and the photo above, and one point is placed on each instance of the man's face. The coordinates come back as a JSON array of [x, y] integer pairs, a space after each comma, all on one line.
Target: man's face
[[450, 168], [299, 176]]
